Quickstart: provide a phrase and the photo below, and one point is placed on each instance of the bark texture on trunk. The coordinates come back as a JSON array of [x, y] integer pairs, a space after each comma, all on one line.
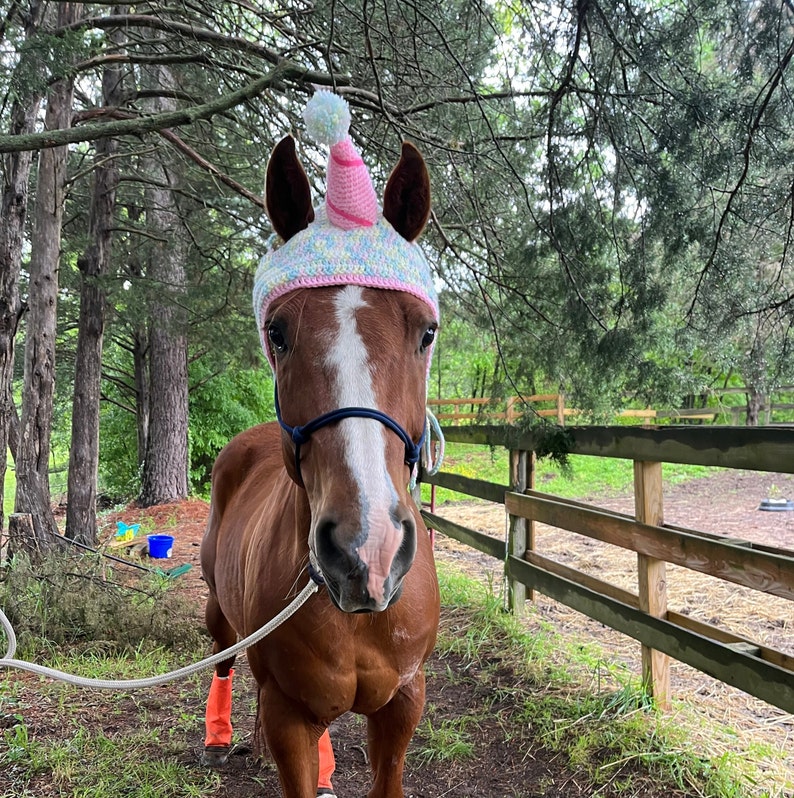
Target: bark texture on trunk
[[755, 404], [13, 212], [33, 489], [165, 466], [166, 462], [93, 265]]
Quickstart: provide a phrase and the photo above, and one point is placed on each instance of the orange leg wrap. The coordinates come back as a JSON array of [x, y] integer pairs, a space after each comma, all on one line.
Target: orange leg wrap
[[218, 719], [327, 762]]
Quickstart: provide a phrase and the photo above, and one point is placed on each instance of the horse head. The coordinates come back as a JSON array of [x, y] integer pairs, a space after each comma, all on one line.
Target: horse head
[[350, 353]]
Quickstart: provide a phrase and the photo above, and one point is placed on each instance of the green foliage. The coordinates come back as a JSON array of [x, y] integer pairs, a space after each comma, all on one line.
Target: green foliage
[[222, 402], [611, 190], [599, 252], [222, 405], [466, 361], [552, 442], [119, 475]]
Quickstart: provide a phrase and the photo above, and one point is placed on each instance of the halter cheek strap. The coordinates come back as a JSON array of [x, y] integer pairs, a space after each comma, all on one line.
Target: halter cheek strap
[[301, 434]]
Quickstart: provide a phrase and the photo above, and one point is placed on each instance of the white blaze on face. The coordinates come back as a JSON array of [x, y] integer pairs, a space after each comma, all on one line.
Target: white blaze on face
[[364, 446]]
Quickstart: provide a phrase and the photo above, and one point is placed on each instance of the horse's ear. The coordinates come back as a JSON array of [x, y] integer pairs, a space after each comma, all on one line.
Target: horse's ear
[[406, 201], [288, 196]]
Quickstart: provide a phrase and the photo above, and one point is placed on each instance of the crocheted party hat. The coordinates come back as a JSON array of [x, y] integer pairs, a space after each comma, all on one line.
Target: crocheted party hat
[[349, 242], [350, 199]]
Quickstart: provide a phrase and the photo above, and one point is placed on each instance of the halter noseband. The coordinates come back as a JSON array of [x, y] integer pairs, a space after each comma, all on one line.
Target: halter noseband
[[301, 434]]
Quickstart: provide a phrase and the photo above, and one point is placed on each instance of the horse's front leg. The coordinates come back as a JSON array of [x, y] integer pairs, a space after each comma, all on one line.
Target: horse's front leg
[[389, 731], [293, 743], [218, 718]]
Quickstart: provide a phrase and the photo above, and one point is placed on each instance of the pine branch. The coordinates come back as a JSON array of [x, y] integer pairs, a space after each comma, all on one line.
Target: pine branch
[[156, 122]]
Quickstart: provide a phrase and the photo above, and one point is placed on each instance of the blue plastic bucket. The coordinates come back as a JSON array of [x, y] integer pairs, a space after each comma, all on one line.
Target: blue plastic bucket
[[160, 546]]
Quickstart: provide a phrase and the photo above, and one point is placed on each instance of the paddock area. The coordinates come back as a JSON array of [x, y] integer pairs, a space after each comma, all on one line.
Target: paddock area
[[716, 717], [726, 503]]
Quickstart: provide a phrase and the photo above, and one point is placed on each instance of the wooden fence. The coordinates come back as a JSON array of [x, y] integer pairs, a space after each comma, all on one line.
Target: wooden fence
[[759, 670], [553, 405]]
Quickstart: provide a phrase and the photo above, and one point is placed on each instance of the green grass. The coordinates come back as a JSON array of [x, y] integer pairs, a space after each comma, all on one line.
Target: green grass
[[142, 763], [586, 476], [94, 661], [146, 749], [449, 739]]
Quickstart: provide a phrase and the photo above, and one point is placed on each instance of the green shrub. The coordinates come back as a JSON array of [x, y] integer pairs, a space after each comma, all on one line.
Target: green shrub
[[72, 599]]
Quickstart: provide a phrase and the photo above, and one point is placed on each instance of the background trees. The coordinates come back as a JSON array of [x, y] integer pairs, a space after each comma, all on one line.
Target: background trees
[[612, 202]]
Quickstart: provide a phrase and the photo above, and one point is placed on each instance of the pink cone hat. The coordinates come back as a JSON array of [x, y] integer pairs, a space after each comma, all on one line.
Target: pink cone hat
[[350, 197]]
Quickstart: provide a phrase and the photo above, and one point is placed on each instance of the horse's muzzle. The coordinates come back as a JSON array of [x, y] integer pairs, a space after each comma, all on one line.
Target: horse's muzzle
[[366, 605], [357, 577]]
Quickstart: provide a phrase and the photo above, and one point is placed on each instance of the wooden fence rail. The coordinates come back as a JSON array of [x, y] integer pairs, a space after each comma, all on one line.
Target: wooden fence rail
[[510, 409], [758, 670]]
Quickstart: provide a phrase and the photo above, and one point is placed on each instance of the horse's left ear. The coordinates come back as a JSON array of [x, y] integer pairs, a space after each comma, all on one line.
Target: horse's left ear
[[406, 201], [287, 193]]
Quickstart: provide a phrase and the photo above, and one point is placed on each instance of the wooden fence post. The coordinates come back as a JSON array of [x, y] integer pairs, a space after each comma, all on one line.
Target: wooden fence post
[[510, 410], [652, 582], [561, 409], [532, 461], [520, 532]]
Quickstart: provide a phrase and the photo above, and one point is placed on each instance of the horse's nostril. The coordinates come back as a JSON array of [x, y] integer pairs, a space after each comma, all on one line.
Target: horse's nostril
[[407, 551], [326, 547]]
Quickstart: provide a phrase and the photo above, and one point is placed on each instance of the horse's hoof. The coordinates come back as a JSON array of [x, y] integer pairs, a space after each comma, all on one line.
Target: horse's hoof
[[215, 756]]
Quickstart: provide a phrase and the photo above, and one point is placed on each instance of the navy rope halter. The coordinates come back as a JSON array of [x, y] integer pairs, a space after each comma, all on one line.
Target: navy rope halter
[[302, 433]]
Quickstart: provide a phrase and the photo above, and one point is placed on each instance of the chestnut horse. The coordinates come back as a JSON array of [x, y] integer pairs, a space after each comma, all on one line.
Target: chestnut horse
[[339, 506]]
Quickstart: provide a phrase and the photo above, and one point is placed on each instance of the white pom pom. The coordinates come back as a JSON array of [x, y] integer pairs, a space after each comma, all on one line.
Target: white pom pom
[[327, 118]]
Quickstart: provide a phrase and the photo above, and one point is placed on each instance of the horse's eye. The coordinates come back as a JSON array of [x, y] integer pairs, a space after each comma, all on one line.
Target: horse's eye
[[276, 338], [428, 337]]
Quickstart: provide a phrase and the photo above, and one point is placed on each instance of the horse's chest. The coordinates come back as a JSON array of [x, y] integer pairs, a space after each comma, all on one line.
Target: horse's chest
[[348, 670]]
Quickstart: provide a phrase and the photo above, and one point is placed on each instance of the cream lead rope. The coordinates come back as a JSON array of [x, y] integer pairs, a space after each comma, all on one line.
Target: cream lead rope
[[433, 456], [139, 684]]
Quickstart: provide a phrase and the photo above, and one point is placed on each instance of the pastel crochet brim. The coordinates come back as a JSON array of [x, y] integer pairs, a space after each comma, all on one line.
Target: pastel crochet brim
[[322, 255]]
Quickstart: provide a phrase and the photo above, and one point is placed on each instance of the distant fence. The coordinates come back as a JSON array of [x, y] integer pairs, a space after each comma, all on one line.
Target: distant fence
[[553, 405], [758, 670]]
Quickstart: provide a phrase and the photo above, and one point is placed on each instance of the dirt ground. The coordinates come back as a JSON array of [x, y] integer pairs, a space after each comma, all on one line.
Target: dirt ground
[[508, 760]]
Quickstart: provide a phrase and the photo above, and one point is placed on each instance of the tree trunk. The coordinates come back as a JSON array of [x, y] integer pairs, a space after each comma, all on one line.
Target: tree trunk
[[93, 265], [33, 489], [755, 403], [140, 354], [166, 464], [755, 374], [13, 212]]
